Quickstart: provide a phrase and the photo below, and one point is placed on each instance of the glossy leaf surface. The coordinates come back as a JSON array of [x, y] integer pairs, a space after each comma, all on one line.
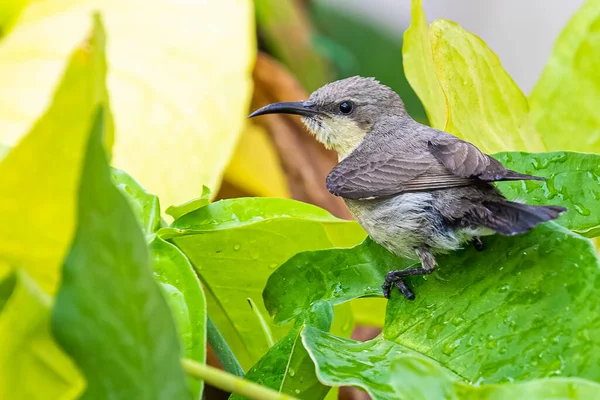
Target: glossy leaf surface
[[573, 181], [525, 297], [234, 245], [387, 370]]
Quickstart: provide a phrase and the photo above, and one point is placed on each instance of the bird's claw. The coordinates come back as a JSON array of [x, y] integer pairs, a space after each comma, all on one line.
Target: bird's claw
[[399, 283], [477, 243]]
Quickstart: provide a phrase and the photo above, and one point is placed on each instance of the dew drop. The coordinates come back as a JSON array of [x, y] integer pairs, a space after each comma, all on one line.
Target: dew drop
[[449, 347], [581, 209], [236, 247], [297, 391], [272, 266], [540, 163], [292, 372]]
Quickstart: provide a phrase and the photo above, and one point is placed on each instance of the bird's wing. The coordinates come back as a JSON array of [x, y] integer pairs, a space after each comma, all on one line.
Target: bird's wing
[[366, 174], [447, 162], [465, 160]]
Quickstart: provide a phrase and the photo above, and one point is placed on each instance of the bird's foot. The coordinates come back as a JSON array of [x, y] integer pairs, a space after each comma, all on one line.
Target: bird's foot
[[400, 284], [396, 278], [477, 243]]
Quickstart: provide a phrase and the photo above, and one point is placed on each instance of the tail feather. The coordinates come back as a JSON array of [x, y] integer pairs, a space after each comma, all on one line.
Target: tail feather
[[517, 176], [510, 218]]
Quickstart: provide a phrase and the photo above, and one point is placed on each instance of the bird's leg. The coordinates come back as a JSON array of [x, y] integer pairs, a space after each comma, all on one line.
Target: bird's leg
[[477, 243], [428, 265]]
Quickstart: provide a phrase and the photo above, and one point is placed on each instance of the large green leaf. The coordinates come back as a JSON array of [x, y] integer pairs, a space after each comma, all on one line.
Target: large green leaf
[[40, 176], [333, 275], [387, 370], [180, 91], [185, 298], [573, 182], [234, 245], [483, 104], [29, 353], [173, 272], [286, 367], [566, 99], [528, 298], [110, 315]]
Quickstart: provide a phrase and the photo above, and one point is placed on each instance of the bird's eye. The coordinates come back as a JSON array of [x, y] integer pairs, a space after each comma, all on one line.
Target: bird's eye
[[346, 107]]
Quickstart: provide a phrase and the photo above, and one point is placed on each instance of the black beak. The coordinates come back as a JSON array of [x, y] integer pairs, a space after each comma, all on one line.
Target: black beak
[[305, 108]]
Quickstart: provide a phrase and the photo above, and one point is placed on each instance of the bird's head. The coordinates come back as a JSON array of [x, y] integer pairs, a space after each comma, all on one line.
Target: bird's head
[[341, 113]]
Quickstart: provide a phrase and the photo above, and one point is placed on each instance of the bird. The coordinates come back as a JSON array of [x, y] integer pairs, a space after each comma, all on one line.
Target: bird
[[417, 191]]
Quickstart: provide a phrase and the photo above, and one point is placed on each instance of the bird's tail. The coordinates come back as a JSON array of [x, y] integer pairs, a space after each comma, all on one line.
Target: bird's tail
[[517, 176], [510, 218]]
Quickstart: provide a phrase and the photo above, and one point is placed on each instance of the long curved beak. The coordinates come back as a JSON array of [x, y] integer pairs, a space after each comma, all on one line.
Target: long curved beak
[[306, 108]]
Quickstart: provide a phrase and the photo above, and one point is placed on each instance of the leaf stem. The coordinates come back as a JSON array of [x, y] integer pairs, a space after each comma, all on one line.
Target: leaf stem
[[263, 323], [230, 383], [222, 351]]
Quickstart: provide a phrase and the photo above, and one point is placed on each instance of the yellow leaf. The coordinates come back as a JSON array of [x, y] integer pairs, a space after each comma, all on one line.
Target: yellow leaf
[[32, 365], [40, 176], [565, 102], [179, 79], [9, 11], [486, 106], [483, 104], [255, 166], [369, 311], [419, 67]]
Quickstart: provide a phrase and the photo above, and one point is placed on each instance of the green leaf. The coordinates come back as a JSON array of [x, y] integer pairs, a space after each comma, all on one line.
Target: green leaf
[[528, 298], [565, 101], [173, 272], [573, 182], [186, 301], [387, 370], [192, 205], [234, 245], [420, 68], [145, 206], [332, 275], [110, 315], [40, 175], [286, 367], [28, 351]]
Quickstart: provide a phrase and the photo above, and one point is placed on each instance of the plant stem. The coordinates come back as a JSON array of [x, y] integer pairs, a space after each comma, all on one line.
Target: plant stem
[[230, 383], [222, 350]]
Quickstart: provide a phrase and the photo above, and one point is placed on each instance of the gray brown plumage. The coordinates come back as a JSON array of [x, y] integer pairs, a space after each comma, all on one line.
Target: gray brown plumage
[[416, 190]]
